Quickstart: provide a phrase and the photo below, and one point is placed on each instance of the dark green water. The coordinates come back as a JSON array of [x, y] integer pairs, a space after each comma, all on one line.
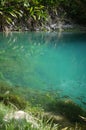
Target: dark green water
[[46, 62]]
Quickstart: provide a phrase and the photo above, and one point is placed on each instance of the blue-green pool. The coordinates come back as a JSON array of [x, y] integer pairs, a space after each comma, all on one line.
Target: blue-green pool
[[45, 61]]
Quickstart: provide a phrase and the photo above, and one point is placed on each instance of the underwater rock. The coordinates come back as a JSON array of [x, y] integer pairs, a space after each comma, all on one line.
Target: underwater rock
[[20, 116], [55, 118]]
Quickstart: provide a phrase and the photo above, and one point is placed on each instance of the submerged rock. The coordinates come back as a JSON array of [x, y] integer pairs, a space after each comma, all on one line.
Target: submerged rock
[[20, 116], [55, 118]]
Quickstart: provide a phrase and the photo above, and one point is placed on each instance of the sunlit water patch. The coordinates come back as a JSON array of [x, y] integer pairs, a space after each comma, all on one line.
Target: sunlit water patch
[[45, 62]]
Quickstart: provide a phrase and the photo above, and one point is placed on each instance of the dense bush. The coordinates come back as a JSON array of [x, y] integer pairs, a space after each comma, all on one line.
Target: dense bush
[[19, 9], [37, 10]]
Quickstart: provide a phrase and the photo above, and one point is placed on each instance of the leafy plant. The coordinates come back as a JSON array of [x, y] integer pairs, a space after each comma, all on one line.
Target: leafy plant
[[13, 10], [8, 12]]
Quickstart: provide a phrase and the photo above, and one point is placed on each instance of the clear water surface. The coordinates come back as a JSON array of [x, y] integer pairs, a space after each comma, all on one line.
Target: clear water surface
[[45, 61]]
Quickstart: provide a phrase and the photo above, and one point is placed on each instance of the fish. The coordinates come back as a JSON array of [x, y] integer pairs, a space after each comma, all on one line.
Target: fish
[[65, 96]]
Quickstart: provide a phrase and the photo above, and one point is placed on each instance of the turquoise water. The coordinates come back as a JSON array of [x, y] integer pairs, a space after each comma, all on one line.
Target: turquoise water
[[45, 61]]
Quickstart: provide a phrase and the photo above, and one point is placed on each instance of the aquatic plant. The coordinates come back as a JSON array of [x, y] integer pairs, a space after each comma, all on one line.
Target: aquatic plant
[[9, 97], [44, 124], [68, 109], [39, 104], [4, 87], [13, 100]]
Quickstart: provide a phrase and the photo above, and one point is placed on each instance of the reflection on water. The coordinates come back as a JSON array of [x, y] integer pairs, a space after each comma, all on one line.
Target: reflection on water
[[45, 61]]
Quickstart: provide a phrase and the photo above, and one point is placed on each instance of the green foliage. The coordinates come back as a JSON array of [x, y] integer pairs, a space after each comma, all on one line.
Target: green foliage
[[17, 9], [37, 10], [8, 11]]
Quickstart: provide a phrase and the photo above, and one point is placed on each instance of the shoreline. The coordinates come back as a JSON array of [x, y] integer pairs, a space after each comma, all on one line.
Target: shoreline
[[64, 28]]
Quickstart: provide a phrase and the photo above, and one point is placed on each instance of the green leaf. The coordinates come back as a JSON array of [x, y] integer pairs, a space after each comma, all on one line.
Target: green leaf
[[8, 20], [13, 14], [31, 9], [18, 12], [34, 17]]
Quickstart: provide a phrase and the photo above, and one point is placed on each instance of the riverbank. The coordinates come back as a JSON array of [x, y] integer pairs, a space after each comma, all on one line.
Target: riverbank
[[42, 16], [55, 21], [57, 24]]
